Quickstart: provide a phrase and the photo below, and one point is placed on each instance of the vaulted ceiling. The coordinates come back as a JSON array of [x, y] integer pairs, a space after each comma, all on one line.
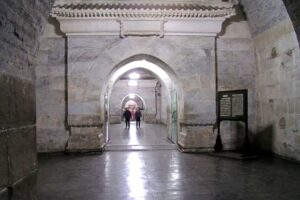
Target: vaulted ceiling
[[293, 8]]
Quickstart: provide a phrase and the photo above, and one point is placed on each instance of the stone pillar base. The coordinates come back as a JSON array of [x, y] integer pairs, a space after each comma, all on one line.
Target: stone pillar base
[[87, 139], [196, 139]]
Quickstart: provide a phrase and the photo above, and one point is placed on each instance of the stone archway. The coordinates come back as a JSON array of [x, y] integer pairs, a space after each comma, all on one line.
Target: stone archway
[[167, 77], [116, 116], [99, 48], [138, 99], [133, 102]]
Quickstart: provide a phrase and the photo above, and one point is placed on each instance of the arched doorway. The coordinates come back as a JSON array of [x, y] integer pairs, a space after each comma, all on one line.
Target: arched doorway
[[140, 102], [167, 78], [133, 102], [130, 105]]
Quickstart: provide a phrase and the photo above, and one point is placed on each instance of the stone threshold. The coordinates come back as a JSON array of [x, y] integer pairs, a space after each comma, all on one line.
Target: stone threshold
[[139, 147]]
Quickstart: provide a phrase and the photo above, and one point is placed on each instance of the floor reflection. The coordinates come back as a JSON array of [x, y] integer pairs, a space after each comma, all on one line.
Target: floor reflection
[[147, 134], [133, 138], [136, 181], [164, 175]]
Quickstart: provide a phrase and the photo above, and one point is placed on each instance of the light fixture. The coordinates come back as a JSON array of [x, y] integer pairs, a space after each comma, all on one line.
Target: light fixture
[[132, 83], [162, 74], [131, 96], [134, 75]]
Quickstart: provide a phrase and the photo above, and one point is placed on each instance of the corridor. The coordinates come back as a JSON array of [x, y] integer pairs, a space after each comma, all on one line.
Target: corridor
[[199, 71]]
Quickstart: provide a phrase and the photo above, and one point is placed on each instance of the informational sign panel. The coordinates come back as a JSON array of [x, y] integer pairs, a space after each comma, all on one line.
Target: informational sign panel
[[232, 105]]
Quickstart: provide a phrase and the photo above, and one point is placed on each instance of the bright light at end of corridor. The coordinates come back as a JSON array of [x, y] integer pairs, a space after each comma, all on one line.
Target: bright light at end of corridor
[[134, 75], [132, 83], [131, 96]]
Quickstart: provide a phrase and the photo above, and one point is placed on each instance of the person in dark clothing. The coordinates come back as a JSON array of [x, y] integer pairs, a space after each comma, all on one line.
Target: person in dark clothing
[[138, 116], [127, 115]]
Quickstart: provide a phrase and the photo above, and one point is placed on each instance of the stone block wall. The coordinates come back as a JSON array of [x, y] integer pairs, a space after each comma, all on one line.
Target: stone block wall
[[236, 66], [278, 92], [21, 27], [52, 134], [277, 77]]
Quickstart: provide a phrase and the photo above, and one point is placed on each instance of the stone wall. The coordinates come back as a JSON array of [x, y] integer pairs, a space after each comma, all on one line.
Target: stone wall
[[277, 76], [21, 26], [235, 65], [52, 134], [236, 70]]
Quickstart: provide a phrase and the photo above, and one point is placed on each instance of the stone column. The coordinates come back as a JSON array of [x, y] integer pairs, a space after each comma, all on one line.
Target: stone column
[[199, 85], [83, 99]]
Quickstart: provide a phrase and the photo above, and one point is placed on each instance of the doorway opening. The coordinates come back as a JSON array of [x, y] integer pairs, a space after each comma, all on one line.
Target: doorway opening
[[132, 102], [147, 84]]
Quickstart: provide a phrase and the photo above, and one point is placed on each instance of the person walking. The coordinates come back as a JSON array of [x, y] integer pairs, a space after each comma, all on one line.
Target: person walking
[[127, 115], [138, 115]]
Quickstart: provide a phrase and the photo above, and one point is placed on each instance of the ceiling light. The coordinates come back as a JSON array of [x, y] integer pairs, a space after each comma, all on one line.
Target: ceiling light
[[134, 75], [132, 83], [131, 96]]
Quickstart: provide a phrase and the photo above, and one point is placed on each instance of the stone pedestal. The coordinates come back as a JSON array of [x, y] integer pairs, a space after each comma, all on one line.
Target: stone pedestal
[[196, 138], [85, 139]]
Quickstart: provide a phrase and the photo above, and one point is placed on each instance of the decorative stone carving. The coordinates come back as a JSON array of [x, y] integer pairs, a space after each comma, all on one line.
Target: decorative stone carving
[[127, 18]]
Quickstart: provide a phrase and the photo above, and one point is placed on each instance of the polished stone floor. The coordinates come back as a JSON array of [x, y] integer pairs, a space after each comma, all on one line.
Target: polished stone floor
[[147, 137], [163, 174]]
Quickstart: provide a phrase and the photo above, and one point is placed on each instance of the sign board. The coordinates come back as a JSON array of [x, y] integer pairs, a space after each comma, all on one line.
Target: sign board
[[232, 105]]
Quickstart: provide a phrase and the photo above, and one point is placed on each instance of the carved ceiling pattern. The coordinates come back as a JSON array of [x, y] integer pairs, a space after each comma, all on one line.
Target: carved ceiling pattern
[[139, 10], [138, 18]]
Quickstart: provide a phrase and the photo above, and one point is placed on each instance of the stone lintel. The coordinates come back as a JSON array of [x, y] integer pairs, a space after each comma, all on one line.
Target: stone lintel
[[207, 27], [142, 19]]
